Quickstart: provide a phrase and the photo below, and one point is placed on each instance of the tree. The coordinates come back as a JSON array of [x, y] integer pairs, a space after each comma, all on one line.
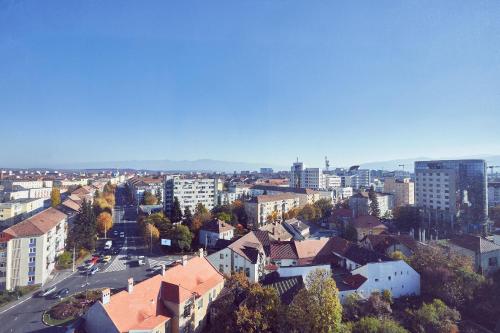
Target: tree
[[238, 210], [324, 206], [110, 198], [309, 213], [350, 233], [182, 237], [188, 217], [376, 325], [176, 213], [158, 196], [374, 208], [398, 255], [104, 222], [274, 216], [224, 217], [102, 205], [446, 275], [200, 209], [378, 305], [351, 309], [149, 199], [316, 308], [292, 213], [151, 234], [407, 217], [259, 312], [83, 233], [434, 317], [55, 197]]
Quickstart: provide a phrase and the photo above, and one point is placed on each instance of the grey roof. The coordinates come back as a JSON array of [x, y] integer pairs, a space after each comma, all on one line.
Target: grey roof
[[477, 244]]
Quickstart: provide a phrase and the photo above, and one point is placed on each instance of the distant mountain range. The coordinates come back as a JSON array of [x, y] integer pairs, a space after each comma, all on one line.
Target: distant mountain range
[[207, 165], [410, 162]]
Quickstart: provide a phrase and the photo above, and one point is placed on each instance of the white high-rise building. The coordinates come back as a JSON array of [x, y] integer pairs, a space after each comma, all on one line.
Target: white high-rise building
[[301, 177], [190, 192]]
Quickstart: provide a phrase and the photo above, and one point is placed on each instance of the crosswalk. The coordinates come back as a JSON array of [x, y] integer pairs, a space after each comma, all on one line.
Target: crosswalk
[[158, 261], [118, 263]]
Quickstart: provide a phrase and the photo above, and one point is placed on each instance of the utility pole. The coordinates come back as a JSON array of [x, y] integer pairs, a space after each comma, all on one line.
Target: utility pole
[[151, 240], [74, 257]]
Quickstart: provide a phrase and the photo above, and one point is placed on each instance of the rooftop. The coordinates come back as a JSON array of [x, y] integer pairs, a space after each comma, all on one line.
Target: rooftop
[[38, 224]]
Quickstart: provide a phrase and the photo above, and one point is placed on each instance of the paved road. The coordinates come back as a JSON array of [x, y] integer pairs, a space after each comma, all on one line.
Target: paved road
[[26, 317]]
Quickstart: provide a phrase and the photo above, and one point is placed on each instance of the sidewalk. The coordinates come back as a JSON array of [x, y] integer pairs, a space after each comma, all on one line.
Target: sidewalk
[[54, 278]]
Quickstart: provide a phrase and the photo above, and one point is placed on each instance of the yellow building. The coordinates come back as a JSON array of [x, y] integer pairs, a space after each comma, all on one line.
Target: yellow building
[[403, 191]]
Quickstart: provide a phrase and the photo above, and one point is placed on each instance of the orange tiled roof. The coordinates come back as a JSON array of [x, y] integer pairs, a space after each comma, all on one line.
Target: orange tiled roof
[[38, 224]]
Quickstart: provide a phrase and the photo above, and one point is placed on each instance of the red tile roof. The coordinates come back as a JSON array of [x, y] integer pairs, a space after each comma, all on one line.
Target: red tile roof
[[368, 222], [38, 224]]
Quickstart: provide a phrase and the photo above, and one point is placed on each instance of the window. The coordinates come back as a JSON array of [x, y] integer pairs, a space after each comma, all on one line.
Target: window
[[32, 259], [376, 280], [247, 271], [493, 261], [187, 309], [32, 250], [221, 268], [200, 303], [389, 278], [221, 256], [31, 279], [32, 240]]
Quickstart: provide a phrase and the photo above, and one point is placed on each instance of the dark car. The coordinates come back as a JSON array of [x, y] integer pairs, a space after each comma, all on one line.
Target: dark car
[[47, 291], [61, 293], [93, 270]]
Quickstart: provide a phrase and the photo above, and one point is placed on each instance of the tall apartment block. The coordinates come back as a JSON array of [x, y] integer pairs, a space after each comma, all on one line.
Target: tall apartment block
[[28, 249], [453, 191], [190, 192]]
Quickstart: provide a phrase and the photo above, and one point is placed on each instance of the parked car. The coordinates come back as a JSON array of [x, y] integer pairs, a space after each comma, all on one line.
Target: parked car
[[115, 232], [47, 291], [93, 270], [122, 234], [61, 293]]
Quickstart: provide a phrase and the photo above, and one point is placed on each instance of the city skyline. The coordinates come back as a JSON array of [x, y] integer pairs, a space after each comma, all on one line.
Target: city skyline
[[357, 83]]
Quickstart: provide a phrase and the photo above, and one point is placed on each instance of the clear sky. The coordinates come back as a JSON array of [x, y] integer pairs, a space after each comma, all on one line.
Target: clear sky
[[251, 81]]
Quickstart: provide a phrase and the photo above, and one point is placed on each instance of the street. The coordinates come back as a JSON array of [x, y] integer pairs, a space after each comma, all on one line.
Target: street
[[26, 317]]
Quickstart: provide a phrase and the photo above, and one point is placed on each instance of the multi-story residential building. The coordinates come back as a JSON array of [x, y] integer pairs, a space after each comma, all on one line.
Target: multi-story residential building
[[306, 196], [14, 211], [174, 301], [361, 178], [347, 181], [139, 185], [190, 192], [226, 198], [71, 182], [360, 203], [342, 193], [28, 250], [11, 184], [214, 230], [453, 190], [265, 208], [402, 189], [493, 194], [241, 190]]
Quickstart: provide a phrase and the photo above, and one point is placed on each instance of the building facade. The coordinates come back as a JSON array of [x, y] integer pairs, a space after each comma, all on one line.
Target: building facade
[[269, 208], [453, 192], [28, 250], [403, 191], [190, 192]]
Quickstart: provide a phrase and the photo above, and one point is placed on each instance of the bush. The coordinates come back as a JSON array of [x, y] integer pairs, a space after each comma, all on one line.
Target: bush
[[65, 260]]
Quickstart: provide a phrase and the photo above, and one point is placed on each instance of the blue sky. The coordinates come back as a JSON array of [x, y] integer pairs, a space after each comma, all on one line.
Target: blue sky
[[251, 81]]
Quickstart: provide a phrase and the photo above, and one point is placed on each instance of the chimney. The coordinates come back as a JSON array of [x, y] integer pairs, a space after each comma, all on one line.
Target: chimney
[[201, 254], [105, 296], [184, 260], [162, 269], [130, 287]]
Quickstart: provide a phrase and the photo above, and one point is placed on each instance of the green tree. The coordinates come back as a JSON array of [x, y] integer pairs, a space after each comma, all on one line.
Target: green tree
[[238, 210], [176, 213], [374, 208], [407, 217], [376, 325], [352, 308], [378, 305], [55, 197], [83, 233], [316, 308], [224, 217], [182, 237], [200, 209], [188, 217], [434, 317], [324, 206]]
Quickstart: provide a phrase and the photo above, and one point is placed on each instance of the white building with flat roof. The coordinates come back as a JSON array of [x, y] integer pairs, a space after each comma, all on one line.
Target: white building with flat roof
[[190, 192]]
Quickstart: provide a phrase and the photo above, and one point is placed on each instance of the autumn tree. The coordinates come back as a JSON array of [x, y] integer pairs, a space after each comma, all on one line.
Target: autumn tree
[[324, 207], [292, 213], [83, 232], [102, 205], [151, 234], [238, 210], [104, 222], [149, 198], [316, 308], [446, 275], [188, 217], [309, 213], [110, 198], [158, 196], [259, 312], [55, 197]]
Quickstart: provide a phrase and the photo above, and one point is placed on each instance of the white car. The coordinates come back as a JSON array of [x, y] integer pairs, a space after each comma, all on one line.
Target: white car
[[122, 234]]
